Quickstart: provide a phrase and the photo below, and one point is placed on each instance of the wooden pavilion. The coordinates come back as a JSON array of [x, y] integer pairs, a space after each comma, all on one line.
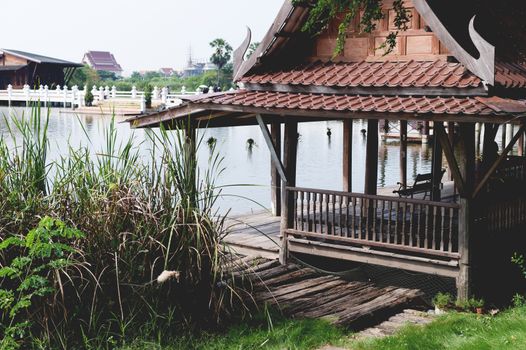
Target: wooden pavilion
[[429, 77], [19, 68]]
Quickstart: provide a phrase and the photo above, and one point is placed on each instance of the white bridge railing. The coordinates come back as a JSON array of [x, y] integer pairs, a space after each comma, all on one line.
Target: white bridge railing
[[75, 97]]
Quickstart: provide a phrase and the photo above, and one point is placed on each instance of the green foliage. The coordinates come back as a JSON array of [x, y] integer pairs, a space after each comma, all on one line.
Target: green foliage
[[141, 216], [443, 300], [88, 97], [469, 305], [252, 48], [148, 96], [222, 52], [324, 11], [84, 76], [519, 300], [107, 76], [257, 334], [30, 276], [518, 259], [458, 331], [221, 56]]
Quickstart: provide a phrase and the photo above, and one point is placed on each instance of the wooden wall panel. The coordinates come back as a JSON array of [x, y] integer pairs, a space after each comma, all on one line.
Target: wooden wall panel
[[422, 44], [417, 43]]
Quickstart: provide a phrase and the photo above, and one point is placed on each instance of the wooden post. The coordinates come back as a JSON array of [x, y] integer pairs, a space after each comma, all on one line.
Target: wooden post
[[371, 158], [425, 130], [190, 157], [403, 153], [275, 131], [290, 151], [347, 155], [466, 160], [436, 167], [451, 136]]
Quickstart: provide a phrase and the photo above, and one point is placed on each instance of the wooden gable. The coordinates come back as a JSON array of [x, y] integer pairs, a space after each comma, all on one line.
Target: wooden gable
[[11, 60], [417, 43]]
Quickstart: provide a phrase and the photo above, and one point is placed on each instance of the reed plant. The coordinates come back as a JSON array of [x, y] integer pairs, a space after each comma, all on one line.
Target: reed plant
[[148, 257]]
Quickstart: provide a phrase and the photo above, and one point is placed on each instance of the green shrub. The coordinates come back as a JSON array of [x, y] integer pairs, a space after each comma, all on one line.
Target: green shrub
[[36, 265], [443, 300], [148, 96], [88, 98]]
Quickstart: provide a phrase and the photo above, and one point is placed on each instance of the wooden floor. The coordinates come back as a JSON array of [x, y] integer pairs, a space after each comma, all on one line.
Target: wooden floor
[[301, 292], [254, 234]]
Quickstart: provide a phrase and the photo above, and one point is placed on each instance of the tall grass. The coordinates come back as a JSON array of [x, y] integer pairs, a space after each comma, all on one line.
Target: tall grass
[[141, 218]]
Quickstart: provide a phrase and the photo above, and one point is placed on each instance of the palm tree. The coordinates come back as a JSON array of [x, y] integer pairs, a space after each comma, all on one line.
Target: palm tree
[[221, 56]]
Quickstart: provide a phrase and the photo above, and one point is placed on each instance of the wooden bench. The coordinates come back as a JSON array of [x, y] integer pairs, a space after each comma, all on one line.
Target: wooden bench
[[423, 184]]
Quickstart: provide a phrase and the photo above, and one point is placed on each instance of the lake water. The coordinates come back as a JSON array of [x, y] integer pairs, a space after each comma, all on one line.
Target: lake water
[[319, 157]]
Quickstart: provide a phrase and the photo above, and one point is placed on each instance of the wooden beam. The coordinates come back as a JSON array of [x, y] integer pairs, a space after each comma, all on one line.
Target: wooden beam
[[371, 157], [499, 160], [306, 115], [347, 155], [373, 91], [290, 152], [275, 132], [403, 153], [276, 160], [466, 153], [450, 157], [375, 257]]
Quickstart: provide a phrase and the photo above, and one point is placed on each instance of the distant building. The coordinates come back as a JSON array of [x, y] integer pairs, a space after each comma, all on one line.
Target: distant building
[[102, 60], [167, 72], [199, 68], [19, 68], [194, 68]]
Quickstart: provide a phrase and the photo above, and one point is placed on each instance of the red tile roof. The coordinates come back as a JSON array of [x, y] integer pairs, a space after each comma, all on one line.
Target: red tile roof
[[358, 103], [510, 75], [388, 74], [103, 60]]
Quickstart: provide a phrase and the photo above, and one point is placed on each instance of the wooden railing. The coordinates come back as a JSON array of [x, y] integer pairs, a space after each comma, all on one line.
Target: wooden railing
[[387, 223]]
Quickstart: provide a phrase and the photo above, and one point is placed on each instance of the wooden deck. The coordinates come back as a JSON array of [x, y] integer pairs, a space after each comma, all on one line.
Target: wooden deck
[[301, 292], [254, 234]]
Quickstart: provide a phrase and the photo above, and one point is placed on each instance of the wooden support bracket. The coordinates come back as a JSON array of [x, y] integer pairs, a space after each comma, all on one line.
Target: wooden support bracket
[[499, 160], [273, 153]]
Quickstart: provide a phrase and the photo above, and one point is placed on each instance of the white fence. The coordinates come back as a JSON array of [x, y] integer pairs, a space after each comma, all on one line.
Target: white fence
[[75, 97]]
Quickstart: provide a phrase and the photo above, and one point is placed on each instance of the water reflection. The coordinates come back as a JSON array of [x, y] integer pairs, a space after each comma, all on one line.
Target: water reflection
[[319, 155]]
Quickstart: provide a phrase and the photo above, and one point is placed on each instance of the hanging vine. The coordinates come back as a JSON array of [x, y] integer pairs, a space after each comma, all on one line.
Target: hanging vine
[[323, 11]]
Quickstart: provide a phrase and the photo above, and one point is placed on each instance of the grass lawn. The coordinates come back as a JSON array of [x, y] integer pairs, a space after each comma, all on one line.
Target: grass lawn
[[453, 331], [460, 331]]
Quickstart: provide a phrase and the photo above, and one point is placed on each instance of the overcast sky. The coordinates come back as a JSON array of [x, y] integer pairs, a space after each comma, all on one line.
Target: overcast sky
[[145, 34]]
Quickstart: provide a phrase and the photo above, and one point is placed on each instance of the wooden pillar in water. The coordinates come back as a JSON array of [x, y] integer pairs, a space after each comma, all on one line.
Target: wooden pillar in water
[[371, 158], [436, 169], [290, 151], [347, 155], [275, 178], [425, 132], [403, 152], [466, 160]]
